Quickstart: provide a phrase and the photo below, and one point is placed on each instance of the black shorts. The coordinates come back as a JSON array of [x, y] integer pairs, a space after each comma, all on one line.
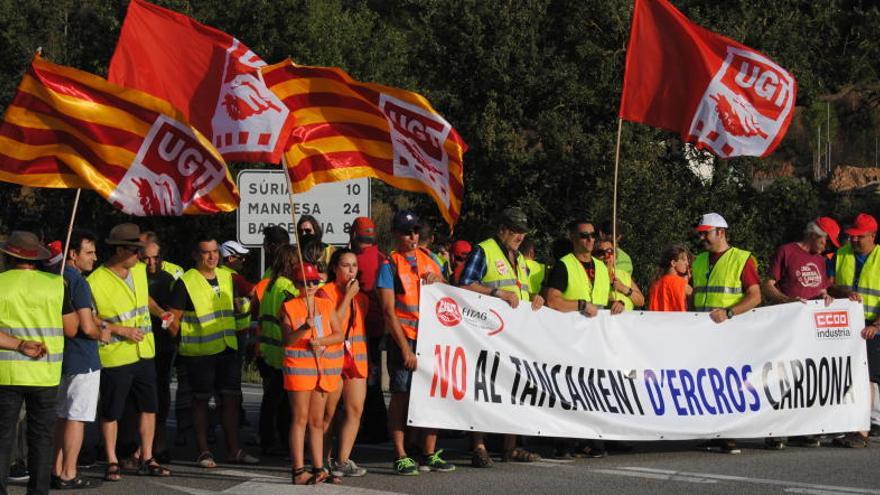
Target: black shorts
[[216, 373], [400, 378], [137, 380], [874, 359]]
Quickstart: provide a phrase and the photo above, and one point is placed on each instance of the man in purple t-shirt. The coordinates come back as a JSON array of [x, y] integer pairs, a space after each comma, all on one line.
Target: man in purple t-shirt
[[797, 272]]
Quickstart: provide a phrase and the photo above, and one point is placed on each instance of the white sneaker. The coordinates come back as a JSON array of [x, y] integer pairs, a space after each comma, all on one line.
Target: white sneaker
[[347, 469]]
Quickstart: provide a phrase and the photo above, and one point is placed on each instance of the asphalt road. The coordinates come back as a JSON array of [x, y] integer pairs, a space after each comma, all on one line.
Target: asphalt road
[[668, 467]]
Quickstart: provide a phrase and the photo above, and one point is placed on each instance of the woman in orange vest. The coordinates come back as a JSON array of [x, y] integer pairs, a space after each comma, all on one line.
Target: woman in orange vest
[[351, 306], [312, 368], [670, 289]]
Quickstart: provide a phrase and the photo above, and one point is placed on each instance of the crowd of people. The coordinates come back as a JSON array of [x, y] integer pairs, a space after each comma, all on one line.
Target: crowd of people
[[104, 344]]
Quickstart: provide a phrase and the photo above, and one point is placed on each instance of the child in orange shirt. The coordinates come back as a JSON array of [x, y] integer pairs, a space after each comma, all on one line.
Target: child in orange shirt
[[670, 290]]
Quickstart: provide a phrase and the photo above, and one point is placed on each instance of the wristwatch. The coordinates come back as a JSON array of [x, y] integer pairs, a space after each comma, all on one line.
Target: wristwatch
[[104, 325], [729, 313]]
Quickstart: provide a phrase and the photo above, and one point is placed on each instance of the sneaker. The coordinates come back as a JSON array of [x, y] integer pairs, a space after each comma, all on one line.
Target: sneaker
[[808, 441], [346, 469], [774, 443], [18, 472], [722, 446], [243, 457], [433, 462], [405, 466]]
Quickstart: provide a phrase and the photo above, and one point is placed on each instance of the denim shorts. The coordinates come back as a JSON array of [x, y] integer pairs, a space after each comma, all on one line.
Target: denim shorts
[[399, 376]]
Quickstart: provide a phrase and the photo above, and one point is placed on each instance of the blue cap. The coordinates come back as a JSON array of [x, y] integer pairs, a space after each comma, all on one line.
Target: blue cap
[[405, 221]]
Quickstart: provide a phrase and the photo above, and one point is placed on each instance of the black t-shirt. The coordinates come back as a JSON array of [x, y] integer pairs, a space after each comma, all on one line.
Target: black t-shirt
[[180, 299], [559, 275]]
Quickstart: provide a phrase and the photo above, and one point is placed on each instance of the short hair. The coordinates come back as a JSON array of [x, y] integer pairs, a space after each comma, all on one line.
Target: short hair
[[77, 236], [150, 236], [573, 225], [200, 238], [275, 235]]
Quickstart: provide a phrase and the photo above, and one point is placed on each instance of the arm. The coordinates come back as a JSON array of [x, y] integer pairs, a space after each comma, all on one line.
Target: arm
[[334, 338], [633, 292], [70, 323], [386, 299], [559, 303], [774, 295], [29, 348], [291, 335], [751, 300]]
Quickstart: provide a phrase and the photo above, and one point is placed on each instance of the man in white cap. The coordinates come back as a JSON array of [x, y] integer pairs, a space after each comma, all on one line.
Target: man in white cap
[[726, 283]]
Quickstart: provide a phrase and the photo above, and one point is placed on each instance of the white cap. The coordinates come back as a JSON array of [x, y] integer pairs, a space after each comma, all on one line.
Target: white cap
[[232, 248], [711, 221]]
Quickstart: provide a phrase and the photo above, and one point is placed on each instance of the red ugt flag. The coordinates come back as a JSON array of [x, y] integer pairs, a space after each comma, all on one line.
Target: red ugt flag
[[207, 74], [717, 93]]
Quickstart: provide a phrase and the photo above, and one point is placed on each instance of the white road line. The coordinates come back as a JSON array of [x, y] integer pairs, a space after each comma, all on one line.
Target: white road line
[[760, 481], [654, 476], [810, 491]]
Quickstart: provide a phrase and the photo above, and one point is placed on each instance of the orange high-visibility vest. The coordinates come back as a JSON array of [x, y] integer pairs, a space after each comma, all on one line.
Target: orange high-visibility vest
[[406, 302], [357, 336], [301, 370]]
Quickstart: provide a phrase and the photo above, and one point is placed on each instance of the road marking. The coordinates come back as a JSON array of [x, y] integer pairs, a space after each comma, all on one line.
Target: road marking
[[810, 491], [655, 476], [761, 481]]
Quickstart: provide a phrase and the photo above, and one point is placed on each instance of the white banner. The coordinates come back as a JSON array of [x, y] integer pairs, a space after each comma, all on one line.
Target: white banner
[[793, 369]]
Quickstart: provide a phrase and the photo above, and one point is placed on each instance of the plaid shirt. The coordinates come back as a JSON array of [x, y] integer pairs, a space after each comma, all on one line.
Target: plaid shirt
[[474, 267]]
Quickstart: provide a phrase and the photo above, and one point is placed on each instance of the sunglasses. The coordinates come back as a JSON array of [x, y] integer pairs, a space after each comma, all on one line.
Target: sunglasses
[[587, 235], [462, 258], [309, 283], [606, 252]]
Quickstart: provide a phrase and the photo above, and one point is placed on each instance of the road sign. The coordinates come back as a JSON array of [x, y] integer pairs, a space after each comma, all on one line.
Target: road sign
[[265, 201]]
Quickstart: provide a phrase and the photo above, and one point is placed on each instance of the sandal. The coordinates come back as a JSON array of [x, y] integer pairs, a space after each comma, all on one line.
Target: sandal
[[150, 467], [130, 464], [71, 484], [113, 472], [520, 455], [480, 458], [296, 476], [206, 460], [331, 478], [318, 476], [851, 441]]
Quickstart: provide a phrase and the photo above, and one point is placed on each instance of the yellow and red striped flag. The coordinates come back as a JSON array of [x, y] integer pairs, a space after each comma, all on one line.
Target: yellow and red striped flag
[[344, 129], [66, 129]]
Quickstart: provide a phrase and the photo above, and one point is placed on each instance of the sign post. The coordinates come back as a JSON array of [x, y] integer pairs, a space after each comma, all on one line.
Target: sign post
[[265, 201]]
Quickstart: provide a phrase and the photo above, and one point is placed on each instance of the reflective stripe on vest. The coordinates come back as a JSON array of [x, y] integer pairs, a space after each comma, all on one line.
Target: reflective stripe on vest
[[722, 287], [115, 302], [303, 370], [242, 319], [869, 278], [31, 302], [271, 341], [500, 275], [579, 285], [210, 329], [406, 303]]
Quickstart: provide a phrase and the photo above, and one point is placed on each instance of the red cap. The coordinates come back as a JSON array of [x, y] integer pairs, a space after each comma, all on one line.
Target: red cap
[[460, 248], [364, 228], [831, 228], [55, 253], [863, 224], [310, 271]]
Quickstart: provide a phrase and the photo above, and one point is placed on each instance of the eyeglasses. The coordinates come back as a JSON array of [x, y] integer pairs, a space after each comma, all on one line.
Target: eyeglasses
[[704, 233], [587, 235]]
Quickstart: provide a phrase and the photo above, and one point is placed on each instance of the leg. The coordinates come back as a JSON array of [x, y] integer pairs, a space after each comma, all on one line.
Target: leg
[[430, 441], [72, 441], [317, 405], [40, 404], [147, 430], [330, 407], [10, 406], [228, 381], [268, 407], [299, 406], [164, 360], [397, 412], [354, 392], [200, 423], [230, 410]]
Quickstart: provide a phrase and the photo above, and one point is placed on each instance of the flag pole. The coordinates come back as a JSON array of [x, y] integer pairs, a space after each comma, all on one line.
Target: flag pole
[[614, 194], [69, 231], [302, 266]]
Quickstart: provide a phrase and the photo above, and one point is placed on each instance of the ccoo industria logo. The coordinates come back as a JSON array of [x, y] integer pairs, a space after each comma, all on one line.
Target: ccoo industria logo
[[449, 314], [832, 324]]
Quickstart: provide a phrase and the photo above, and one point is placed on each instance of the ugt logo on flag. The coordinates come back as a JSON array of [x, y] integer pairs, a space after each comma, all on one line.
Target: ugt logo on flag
[[744, 107]]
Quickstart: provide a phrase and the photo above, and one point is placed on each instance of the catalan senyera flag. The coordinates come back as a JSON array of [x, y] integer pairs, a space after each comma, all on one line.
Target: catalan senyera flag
[[346, 129], [69, 129], [715, 92]]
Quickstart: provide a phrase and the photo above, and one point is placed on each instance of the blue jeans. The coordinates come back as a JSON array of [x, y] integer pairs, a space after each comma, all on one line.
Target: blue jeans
[[40, 405]]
